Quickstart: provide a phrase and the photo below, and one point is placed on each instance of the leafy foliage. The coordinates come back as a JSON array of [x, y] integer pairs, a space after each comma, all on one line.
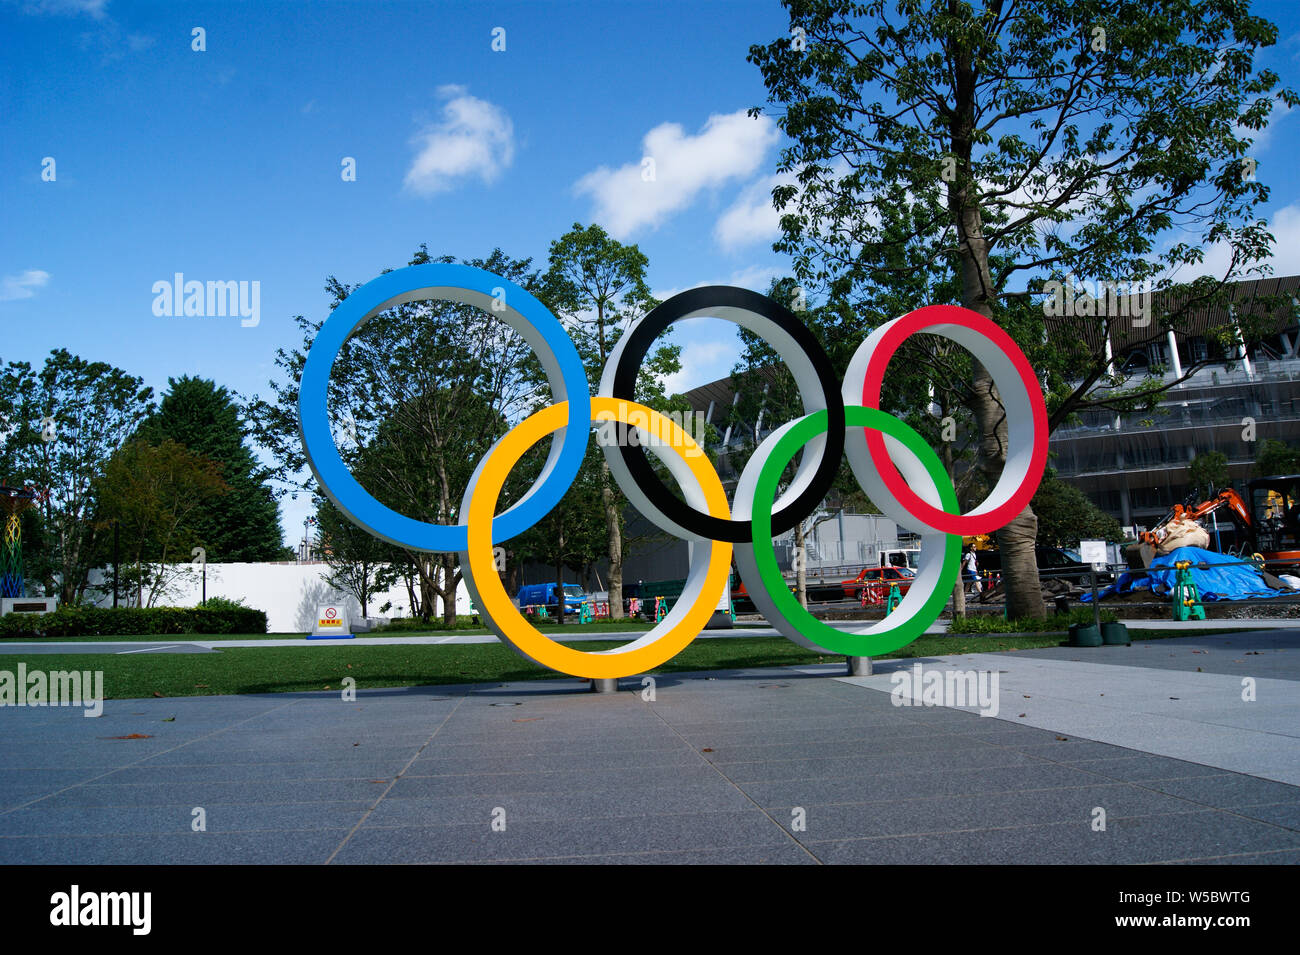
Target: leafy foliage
[[74, 621], [416, 398], [157, 495], [1276, 457], [244, 524], [1066, 516], [1011, 144], [86, 410], [1208, 472], [597, 287]]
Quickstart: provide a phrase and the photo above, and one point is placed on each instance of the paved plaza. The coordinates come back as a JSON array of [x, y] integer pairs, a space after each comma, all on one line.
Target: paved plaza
[[800, 765]]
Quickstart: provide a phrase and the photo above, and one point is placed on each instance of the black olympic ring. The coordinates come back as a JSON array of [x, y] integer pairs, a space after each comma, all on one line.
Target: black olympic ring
[[702, 301]]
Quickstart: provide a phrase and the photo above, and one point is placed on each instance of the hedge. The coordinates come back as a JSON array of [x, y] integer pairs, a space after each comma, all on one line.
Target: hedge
[[419, 624], [71, 621]]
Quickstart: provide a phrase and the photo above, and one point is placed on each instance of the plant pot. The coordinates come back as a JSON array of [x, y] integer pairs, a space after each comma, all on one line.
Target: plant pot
[[1114, 634], [1084, 635]]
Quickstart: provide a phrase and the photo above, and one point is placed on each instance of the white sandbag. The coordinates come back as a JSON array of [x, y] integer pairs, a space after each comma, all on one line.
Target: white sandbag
[[1184, 534]]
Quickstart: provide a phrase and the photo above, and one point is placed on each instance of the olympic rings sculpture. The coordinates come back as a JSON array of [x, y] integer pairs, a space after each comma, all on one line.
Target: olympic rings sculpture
[[899, 472]]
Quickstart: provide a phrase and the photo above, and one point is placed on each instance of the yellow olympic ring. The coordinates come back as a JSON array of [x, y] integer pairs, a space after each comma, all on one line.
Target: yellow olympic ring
[[688, 616]]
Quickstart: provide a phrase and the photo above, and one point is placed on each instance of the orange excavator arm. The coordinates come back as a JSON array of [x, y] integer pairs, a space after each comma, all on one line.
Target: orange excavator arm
[[1227, 498], [1140, 554]]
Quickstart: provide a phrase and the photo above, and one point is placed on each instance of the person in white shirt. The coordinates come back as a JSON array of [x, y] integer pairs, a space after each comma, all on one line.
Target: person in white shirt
[[970, 572]]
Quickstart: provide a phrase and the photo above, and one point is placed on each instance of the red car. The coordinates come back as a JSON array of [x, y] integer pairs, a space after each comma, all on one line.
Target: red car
[[876, 581]]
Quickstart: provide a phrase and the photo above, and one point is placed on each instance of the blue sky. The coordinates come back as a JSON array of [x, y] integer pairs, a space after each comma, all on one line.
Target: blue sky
[[225, 164]]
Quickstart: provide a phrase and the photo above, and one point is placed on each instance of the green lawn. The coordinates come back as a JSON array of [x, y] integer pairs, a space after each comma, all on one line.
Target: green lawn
[[286, 669], [600, 626], [155, 638]]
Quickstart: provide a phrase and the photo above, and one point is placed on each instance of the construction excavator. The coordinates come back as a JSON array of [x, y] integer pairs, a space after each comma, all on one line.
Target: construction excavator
[[1267, 527]]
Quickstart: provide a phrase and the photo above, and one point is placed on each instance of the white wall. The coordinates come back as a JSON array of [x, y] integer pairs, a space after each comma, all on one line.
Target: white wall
[[288, 592]]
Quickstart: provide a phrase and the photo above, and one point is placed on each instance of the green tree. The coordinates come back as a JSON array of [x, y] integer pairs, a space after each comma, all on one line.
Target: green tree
[[423, 390], [1276, 457], [156, 494], [1034, 141], [574, 533], [1066, 516], [1208, 472], [597, 287], [243, 525], [355, 557], [766, 397], [65, 422]]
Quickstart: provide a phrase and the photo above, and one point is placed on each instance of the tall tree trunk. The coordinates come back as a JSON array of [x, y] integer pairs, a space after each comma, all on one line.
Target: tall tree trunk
[[1016, 540], [615, 546], [428, 593], [365, 591], [450, 581], [410, 593], [608, 497], [559, 592], [512, 576]]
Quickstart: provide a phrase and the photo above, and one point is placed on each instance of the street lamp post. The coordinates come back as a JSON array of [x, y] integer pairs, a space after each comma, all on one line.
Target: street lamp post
[[306, 540]]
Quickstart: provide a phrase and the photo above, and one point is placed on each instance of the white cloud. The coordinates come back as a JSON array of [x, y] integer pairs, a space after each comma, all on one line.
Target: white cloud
[[91, 8], [1285, 260], [752, 217], [1261, 138], [703, 362], [729, 146], [474, 138], [756, 277], [13, 287], [106, 35]]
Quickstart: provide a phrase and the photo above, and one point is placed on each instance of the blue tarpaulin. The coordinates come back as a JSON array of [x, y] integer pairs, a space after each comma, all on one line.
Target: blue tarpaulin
[[1216, 576]]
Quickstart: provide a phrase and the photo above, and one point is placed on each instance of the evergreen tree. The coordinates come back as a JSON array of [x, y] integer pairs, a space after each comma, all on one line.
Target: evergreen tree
[[243, 525]]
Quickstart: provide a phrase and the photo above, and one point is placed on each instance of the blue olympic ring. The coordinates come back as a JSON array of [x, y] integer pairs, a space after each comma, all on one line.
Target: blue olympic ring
[[470, 286]]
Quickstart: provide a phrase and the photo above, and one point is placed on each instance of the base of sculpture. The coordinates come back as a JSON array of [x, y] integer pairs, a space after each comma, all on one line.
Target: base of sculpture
[[721, 620], [859, 666], [608, 685]]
